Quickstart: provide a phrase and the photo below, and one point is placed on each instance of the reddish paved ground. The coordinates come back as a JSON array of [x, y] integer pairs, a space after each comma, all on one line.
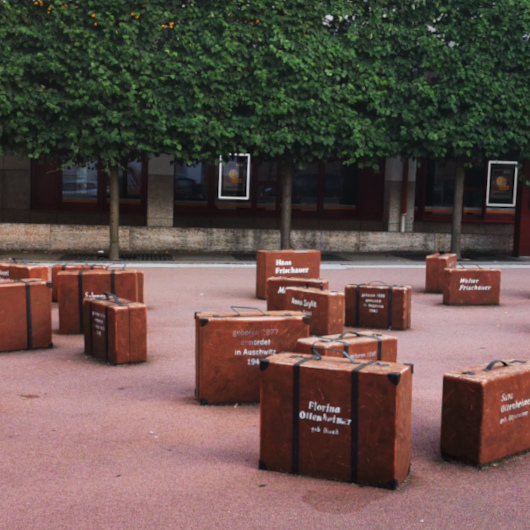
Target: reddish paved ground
[[89, 446]]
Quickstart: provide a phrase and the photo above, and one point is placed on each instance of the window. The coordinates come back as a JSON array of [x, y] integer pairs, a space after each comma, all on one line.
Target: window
[[441, 187], [80, 184], [340, 186], [86, 188], [305, 187], [191, 184], [267, 183]]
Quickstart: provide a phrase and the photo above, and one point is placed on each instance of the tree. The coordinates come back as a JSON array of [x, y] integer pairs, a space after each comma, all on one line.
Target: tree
[[103, 80], [302, 92], [457, 74]]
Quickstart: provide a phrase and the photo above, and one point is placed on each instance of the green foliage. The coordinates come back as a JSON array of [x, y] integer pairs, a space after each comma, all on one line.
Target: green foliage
[[459, 77], [111, 80], [299, 79]]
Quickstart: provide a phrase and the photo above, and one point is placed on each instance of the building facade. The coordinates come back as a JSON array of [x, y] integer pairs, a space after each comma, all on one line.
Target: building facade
[[397, 206]]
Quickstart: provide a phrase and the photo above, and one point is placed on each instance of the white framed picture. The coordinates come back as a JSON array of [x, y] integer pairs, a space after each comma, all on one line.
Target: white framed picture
[[502, 183], [234, 178]]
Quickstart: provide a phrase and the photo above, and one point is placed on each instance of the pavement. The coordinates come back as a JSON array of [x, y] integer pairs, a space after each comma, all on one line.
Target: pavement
[[178, 259], [87, 445]]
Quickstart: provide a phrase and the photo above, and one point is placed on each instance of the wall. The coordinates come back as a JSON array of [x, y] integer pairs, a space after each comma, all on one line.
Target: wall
[[46, 237]]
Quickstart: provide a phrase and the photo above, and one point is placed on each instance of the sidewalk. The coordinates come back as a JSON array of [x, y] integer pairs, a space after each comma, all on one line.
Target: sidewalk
[[91, 446], [333, 260]]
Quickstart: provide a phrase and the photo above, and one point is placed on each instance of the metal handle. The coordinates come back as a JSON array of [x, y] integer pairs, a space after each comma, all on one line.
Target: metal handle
[[346, 333], [235, 307], [493, 363], [344, 353], [113, 297]]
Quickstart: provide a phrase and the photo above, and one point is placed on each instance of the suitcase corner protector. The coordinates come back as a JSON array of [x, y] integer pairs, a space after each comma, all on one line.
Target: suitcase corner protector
[[203, 402], [50, 346], [262, 466], [394, 377], [263, 364], [392, 484], [204, 321]]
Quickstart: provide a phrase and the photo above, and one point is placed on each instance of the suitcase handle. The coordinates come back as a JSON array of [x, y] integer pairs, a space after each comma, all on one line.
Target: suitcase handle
[[113, 297], [234, 307], [318, 356], [493, 363], [346, 333]]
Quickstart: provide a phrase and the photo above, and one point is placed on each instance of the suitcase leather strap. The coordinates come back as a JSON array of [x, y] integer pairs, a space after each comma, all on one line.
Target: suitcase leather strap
[[113, 281], [81, 296], [29, 324], [357, 305], [296, 410], [354, 448], [28, 316], [354, 413], [390, 307]]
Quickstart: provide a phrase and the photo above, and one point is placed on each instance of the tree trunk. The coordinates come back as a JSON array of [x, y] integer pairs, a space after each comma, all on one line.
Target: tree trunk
[[287, 199], [458, 206], [114, 248]]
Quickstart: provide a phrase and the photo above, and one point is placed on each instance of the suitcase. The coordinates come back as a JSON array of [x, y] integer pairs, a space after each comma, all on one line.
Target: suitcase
[[60, 268], [336, 418], [115, 329], [276, 294], [25, 314], [472, 286], [229, 347], [74, 286], [359, 346], [325, 309], [434, 271], [19, 271], [301, 263], [378, 306], [486, 412]]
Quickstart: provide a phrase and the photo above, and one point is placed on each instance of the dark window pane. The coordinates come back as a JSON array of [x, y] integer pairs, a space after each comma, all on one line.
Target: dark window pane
[[191, 184], [130, 181], [441, 185], [340, 186], [267, 184], [305, 188], [80, 183]]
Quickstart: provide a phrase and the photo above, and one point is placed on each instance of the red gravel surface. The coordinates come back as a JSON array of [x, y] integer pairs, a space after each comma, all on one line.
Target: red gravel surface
[[86, 445]]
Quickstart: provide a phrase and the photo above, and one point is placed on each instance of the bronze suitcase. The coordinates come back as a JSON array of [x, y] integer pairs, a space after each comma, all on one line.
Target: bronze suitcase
[[324, 308], [115, 329], [276, 285], [336, 418], [434, 270], [25, 314], [60, 268], [229, 347], [19, 271], [74, 286], [359, 346], [486, 412], [302, 263], [472, 286], [378, 306]]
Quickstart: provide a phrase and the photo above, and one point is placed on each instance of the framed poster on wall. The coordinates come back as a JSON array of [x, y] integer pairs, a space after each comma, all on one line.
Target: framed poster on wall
[[234, 178], [502, 183]]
